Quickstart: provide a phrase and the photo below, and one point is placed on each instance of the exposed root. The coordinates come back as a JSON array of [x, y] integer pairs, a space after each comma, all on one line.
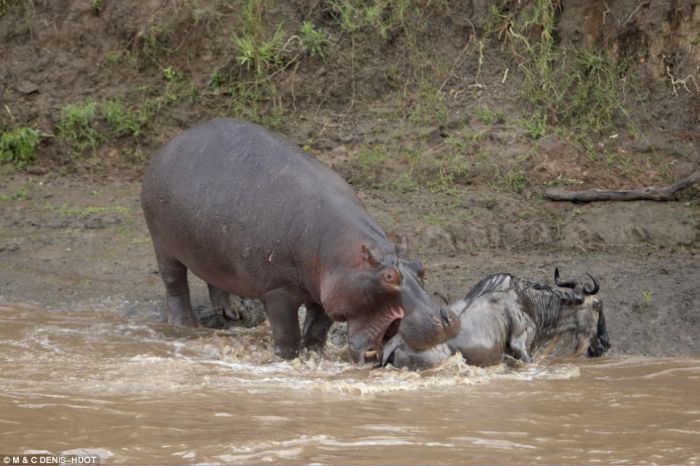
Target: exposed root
[[676, 83], [666, 193]]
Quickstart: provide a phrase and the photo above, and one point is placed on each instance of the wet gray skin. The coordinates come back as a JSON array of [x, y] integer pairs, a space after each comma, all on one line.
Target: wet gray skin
[[254, 216], [509, 316]]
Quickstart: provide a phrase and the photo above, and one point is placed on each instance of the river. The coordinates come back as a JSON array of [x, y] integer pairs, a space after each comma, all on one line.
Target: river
[[131, 390]]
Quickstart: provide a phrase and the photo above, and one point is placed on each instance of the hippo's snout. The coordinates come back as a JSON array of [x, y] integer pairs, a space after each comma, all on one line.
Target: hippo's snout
[[447, 318], [423, 330], [451, 323]]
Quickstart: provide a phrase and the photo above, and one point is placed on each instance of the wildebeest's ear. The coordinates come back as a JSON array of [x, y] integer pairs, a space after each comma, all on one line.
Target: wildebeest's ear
[[402, 247], [368, 257]]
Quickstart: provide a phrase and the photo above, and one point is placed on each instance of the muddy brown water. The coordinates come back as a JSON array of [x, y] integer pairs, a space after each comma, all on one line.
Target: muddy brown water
[[130, 390]]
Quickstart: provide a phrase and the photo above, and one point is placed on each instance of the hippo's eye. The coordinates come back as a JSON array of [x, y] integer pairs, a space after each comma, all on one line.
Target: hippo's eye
[[391, 276]]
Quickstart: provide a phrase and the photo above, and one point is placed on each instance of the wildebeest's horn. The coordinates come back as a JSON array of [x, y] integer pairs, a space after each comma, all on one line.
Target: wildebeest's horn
[[568, 284], [594, 290]]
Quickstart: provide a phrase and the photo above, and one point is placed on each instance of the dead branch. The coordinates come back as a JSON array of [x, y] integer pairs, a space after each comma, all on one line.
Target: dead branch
[[667, 193]]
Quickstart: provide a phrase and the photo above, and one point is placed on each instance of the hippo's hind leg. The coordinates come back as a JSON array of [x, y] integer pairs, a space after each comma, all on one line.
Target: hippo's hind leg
[[177, 291], [316, 325], [282, 309], [221, 302]]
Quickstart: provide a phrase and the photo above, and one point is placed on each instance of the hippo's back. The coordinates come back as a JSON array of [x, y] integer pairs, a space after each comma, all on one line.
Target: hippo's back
[[228, 192], [236, 168], [229, 154]]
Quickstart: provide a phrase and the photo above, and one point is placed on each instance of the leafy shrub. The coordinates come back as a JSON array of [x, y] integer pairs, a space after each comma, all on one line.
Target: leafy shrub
[[259, 54], [121, 120], [17, 146], [315, 41], [75, 125]]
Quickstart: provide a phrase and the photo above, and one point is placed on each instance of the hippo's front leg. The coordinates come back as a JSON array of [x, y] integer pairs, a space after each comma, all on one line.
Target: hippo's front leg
[[282, 310], [316, 325]]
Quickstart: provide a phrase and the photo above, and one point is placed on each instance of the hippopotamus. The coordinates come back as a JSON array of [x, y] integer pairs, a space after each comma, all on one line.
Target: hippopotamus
[[506, 316], [255, 216]]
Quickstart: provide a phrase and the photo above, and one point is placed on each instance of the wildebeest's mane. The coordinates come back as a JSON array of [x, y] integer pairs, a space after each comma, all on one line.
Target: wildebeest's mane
[[495, 282], [543, 303]]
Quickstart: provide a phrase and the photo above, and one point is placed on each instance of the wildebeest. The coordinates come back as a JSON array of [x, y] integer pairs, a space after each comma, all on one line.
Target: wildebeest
[[504, 315]]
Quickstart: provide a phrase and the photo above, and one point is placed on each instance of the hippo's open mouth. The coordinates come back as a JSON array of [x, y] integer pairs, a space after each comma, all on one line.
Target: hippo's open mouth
[[382, 328]]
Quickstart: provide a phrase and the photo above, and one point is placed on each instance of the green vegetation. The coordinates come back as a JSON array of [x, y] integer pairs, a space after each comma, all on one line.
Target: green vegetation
[[369, 160], [218, 79], [257, 49], [581, 95], [384, 59], [404, 183], [407, 168], [121, 56], [155, 42], [86, 125], [75, 125], [5, 5], [262, 56], [488, 116], [123, 121], [429, 106], [514, 181], [646, 297], [84, 212], [381, 16], [452, 170], [315, 42], [96, 6], [536, 125], [250, 101], [22, 194], [176, 87], [17, 146]]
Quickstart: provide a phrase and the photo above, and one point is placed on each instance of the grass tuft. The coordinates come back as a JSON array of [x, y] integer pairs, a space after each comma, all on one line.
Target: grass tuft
[[315, 42], [17, 146], [123, 121], [75, 125], [263, 56]]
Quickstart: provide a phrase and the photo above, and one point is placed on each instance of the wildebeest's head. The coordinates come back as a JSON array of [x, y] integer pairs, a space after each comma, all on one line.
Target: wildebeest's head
[[579, 326]]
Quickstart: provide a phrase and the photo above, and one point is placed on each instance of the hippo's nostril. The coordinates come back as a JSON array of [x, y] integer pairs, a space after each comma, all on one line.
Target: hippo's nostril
[[446, 317]]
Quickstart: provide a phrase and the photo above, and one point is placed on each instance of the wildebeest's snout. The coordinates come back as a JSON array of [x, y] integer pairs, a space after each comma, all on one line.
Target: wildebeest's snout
[[600, 343]]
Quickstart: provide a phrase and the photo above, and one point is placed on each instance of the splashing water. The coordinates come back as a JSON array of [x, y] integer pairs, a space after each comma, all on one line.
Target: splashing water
[[131, 390]]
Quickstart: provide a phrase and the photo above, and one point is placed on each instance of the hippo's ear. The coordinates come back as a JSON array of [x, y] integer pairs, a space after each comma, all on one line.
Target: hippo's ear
[[417, 268], [368, 257], [402, 247]]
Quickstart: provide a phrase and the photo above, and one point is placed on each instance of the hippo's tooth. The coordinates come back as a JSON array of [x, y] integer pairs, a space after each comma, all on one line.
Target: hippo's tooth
[[396, 313], [370, 354]]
